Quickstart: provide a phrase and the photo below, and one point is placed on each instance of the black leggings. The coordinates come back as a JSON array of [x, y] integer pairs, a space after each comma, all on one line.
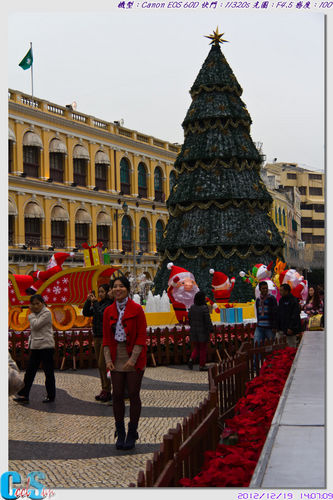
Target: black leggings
[[133, 381], [46, 357]]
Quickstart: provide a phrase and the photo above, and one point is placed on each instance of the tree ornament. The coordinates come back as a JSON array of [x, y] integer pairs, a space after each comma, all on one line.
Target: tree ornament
[[216, 37], [219, 156]]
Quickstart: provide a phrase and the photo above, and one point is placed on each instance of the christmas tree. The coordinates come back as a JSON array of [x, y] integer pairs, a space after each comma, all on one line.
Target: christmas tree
[[218, 207]]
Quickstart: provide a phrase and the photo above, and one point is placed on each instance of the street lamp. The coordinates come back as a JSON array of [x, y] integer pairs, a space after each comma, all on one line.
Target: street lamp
[[116, 215], [125, 210]]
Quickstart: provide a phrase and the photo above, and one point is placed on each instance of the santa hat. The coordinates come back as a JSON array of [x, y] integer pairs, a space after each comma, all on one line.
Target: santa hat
[[219, 278], [60, 257], [256, 268], [177, 274]]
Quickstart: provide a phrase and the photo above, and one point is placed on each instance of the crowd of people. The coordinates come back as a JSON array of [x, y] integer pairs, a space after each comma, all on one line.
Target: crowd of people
[[275, 319], [119, 328]]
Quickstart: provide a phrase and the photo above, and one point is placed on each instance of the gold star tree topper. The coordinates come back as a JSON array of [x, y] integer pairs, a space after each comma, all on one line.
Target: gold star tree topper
[[216, 37]]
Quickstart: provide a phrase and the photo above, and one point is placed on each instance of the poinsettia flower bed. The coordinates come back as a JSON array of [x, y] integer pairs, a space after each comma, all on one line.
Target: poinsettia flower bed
[[234, 461]]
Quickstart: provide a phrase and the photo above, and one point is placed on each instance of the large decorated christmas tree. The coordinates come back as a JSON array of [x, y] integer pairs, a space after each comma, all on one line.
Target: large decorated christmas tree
[[218, 207]]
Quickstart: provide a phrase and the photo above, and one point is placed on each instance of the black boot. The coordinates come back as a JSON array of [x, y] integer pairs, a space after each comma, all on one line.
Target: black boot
[[120, 434], [131, 437]]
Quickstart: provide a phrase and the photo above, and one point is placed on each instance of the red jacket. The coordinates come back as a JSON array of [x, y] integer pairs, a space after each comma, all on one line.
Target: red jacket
[[135, 326]]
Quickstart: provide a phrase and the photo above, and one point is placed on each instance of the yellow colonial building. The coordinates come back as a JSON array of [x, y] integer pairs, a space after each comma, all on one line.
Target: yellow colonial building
[[309, 214], [76, 179]]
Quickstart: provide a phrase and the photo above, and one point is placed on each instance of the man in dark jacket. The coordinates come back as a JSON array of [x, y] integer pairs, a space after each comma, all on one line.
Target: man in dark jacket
[[289, 320], [95, 308], [266, 308]]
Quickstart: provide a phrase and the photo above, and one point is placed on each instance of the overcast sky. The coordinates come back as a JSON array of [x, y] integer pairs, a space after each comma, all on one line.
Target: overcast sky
[[140, 65]]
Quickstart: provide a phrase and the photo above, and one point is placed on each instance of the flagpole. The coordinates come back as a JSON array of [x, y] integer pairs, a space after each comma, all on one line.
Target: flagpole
[[32, 75]]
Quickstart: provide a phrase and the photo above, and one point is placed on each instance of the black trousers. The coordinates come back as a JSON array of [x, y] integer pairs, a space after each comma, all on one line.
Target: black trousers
[[46, 357]]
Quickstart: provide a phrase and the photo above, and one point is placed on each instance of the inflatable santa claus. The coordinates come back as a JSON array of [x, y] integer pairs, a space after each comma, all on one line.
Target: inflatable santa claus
[[297, 283], [53, 266], [181, 290], [259, 272], [222, 287]]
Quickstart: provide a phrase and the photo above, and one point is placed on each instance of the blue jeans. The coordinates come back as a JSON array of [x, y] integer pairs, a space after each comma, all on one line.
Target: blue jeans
[[261, 334]]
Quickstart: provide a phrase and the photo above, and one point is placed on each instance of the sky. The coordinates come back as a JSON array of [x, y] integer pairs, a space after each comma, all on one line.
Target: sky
[[139, 66]]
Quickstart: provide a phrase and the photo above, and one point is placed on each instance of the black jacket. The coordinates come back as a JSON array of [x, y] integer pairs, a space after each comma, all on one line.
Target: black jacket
[[272, 310], [96, 310], [289, 314], [200, 323]]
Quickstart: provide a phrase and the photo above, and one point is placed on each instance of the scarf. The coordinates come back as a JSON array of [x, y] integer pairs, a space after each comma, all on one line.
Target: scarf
[[120, 334], [262, 304]]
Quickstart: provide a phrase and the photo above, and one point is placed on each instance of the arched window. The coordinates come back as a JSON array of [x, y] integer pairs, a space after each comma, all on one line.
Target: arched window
[[11, 142], [284, 217], [159, 232], [126, 233], [11, 225], [82, 223], [33, 215], [57, 152], [280, 218], [172, 179], [276, 215], [143, 231], [125, 181], [158, 185], [32, 145], [59, 218], [80, 165], [142, 180], [102, 163], [104, 223], [12, 213]]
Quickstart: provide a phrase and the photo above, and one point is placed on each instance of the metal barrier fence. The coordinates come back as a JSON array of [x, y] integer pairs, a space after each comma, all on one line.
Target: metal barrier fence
[[165, 346], [182, 451]]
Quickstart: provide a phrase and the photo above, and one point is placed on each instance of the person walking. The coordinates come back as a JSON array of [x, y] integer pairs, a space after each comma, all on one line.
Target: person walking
[[125, 351], [95, 308], [288, 318], [266, 309], [200, 328], [41, 350]]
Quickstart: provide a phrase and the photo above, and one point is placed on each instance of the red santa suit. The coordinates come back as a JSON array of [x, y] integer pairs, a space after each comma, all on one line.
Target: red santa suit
[[298, 285], [222, 286], [53, 267], [181, 291]]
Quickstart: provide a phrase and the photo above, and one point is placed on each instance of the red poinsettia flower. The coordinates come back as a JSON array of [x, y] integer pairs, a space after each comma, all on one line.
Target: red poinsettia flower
[[233, 465]]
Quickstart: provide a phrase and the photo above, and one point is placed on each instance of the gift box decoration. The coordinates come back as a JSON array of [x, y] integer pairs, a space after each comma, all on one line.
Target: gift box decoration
[[238, 315], [231, 315], [99, 247], [95, 256], [223, 315], [88, 258], [106, 257]]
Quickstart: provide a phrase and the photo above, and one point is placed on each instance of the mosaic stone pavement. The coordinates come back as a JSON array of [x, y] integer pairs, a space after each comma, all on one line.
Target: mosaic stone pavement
[[72, 439]]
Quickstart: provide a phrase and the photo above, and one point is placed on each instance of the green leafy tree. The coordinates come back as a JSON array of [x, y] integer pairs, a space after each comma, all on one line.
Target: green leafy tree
[[219, 206]]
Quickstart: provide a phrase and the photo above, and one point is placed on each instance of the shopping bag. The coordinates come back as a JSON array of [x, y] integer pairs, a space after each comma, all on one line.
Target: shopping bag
[[314, 322]]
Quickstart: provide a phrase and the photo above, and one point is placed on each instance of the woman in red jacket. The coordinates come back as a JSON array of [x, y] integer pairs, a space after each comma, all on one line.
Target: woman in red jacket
[[125, 351]]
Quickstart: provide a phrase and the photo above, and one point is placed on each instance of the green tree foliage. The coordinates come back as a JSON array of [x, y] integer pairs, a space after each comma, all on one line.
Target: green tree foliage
[[219, 206]]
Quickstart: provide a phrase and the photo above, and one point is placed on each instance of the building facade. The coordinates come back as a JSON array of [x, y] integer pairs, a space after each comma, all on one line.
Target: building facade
[[307, 188], [71, 179]]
